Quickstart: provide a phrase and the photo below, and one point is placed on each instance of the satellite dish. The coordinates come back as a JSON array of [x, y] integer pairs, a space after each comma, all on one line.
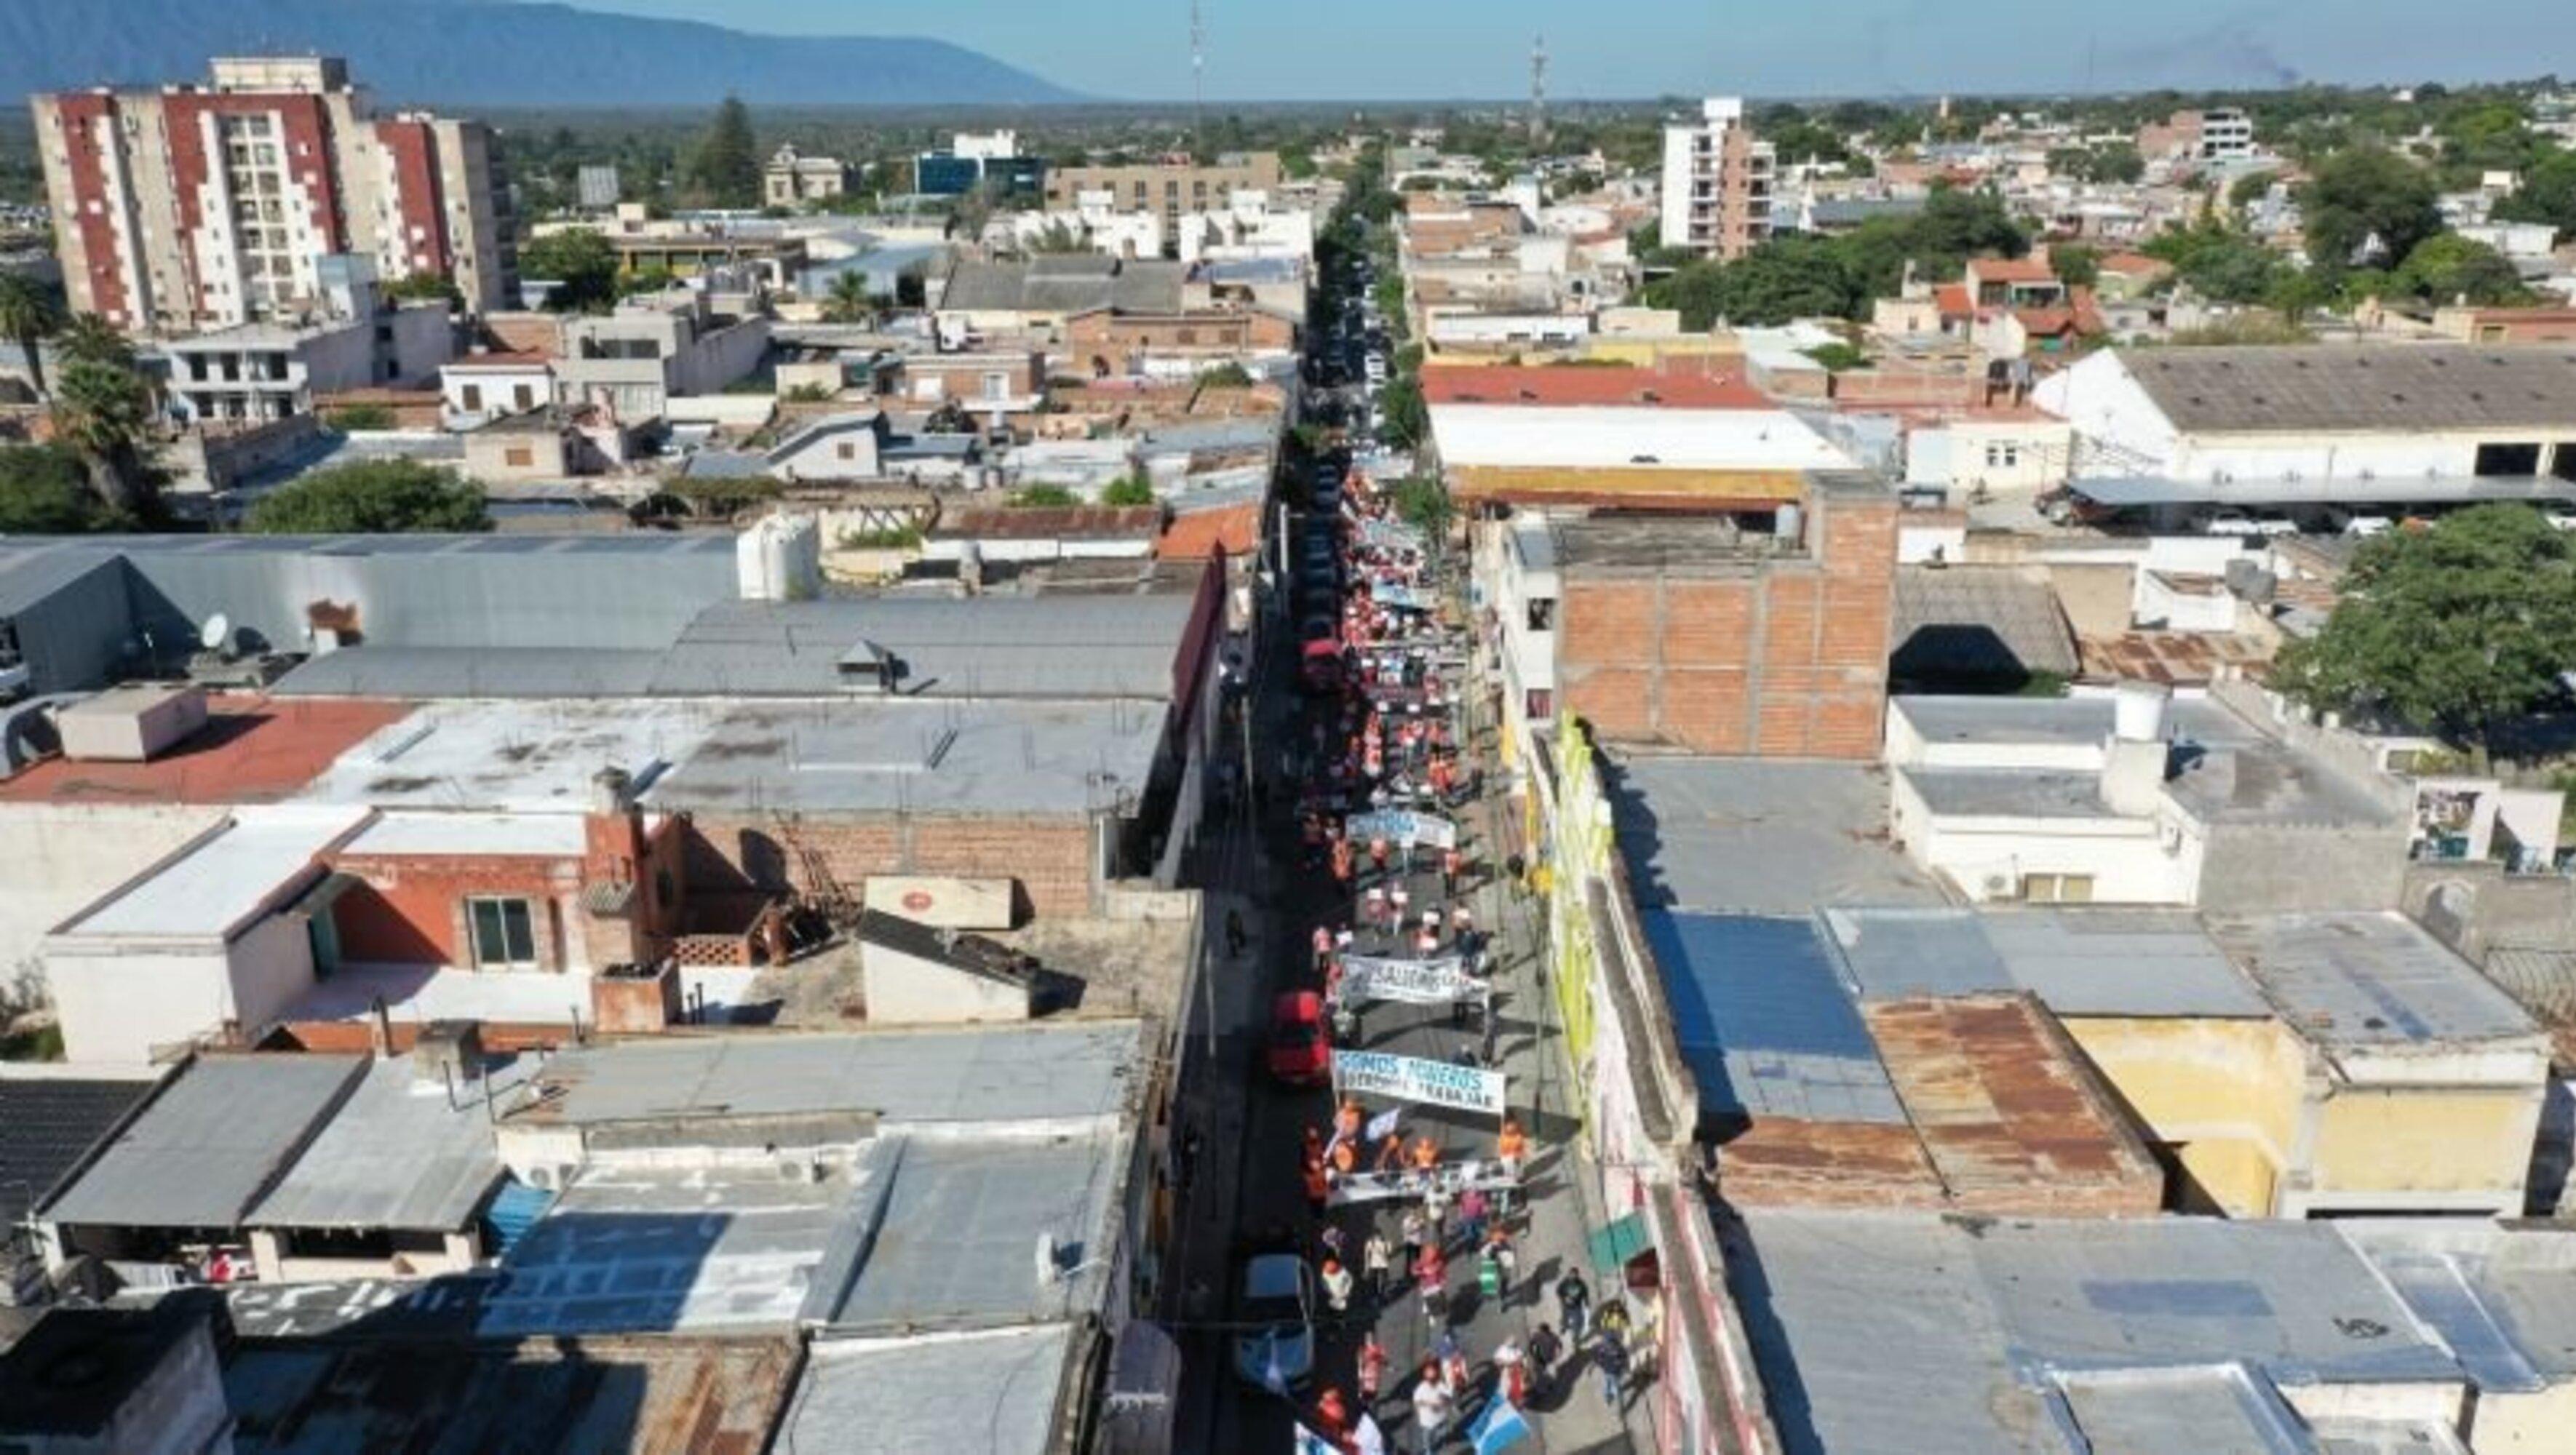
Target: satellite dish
[[217, 631]]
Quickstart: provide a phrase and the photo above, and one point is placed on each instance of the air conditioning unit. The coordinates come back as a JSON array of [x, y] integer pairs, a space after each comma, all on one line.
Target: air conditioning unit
[[1997, 884]]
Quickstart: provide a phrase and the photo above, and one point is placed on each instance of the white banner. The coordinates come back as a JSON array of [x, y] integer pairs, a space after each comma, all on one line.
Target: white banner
[[1451, 1178], [1394, 534], [1402, 826], [1411, 1078], [1409, 982]]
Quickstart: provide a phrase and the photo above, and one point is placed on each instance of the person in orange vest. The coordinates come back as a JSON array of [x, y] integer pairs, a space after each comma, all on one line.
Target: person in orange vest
[[1333, 1417], [1372, 1368], [1511, 1146], [1314, 1145]]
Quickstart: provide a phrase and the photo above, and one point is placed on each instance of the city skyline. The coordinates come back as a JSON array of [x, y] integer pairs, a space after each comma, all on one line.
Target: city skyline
[[1457, 49]]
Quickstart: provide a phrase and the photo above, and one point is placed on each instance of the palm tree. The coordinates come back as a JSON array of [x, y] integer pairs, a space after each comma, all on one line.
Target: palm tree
[[86, 338], [29, 315], [101, 411], [849, 300]]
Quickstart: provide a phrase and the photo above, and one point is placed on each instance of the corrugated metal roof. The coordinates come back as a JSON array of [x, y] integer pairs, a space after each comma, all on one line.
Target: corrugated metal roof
[[1070, 284], [907, 1394], [424, 672], [1909, 954], [2501, 1295], [988, 646], [960, 1226], [2369, 979], [2341, 387], [2121, 962], [1944, 1336], [1763, 1023], [2220, 1408], [988, 1074], [397, 1154], [1977, 623], [209, 1144], [1759, 836], [46, 1124]]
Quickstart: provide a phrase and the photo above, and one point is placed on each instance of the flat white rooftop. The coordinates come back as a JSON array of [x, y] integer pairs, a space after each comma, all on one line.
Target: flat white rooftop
[[519, 755], [531, 835], [214, 886]]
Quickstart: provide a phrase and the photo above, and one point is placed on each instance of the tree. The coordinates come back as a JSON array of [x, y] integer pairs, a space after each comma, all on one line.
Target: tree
[[426, 288], [29, 315], [2366, 205], [848, 299], [2076, 265], [2251, 188], [1404, 419], [101, 411], [356, 417], [2118, 162], [1229, 375], [2547, 194], [646, 281], [43, 491], [2448, 268], [1129, 490], [373, 497], [581, 265], [2456, 628], [726, 165], [89, 339], [1042, 497]]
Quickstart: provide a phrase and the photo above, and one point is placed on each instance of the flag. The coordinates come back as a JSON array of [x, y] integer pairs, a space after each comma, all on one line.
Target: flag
[[1382, 1126], [1310, 1443], [1367, 1438], [1500, 1427]]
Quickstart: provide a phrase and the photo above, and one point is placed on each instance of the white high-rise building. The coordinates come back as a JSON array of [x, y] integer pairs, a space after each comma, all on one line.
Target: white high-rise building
[[1717, 182]]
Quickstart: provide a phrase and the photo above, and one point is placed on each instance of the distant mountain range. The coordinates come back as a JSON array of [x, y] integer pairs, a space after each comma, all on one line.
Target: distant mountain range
[[464, 53]]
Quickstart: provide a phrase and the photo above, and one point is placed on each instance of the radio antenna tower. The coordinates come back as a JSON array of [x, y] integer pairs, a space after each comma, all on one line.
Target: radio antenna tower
[[1198, 79], [1538, 92]]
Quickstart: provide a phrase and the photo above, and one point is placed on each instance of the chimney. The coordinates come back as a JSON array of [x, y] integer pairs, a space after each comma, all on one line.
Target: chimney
[[2133, 761], [609, 792]]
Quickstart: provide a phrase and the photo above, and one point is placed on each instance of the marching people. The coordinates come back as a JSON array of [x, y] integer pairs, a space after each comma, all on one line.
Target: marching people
[[1337, 1286], [1432, 1401], [1375, 1258], [1544, 1347], [1573, 1297], [1372, 1368]]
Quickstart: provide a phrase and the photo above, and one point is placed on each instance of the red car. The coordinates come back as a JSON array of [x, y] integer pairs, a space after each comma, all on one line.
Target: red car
[[1300, 1053], [1321, 665]]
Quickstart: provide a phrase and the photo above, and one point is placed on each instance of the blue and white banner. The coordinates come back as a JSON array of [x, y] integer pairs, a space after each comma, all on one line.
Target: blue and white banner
[[1402, 826], [1498, 1428], [1413, 1079]]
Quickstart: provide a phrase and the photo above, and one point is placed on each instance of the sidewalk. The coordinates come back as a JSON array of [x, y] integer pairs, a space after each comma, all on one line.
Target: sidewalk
[[1562, 1210]]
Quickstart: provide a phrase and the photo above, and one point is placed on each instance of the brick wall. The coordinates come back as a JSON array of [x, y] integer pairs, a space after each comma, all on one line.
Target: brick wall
[[1788, 659], [1049, 858]]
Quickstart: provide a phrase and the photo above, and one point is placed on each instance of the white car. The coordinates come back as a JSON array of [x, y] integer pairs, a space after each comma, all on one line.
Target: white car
[[2240, 523], [2367, 525], [1276, 1346], [2561, 519]]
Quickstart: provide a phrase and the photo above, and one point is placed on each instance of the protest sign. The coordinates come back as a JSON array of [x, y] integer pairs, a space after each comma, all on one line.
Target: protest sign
[[1413, 1079]]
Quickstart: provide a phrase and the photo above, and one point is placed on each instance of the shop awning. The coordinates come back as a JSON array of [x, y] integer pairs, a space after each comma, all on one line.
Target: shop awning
[[1615, 1245]]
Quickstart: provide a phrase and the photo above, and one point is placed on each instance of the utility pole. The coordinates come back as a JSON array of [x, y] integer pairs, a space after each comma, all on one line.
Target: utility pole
[[1538, 93]]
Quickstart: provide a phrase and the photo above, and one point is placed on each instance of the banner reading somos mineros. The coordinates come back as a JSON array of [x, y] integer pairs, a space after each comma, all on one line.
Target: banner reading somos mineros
[[1411, 1078], [1410, 982]]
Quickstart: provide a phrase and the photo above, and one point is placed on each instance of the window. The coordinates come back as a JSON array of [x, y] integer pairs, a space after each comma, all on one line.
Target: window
[[1539, 704], [2516, 460], [1542, 613], [2562, 460], [504, 935], [849, 451], [519, 457], [2003, 455], [2057, 888], [523, 397], [997, 385]]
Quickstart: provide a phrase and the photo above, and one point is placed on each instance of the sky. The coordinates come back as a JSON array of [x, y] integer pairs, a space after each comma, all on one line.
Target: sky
[[1625, 49]]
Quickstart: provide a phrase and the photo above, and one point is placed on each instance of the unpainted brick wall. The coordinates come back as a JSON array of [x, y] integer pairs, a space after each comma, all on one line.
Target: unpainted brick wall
[[1788, 660], [1050, 857]]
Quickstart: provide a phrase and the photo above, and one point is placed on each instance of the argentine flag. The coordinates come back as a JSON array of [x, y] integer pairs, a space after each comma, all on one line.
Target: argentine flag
[[1500, 1427]]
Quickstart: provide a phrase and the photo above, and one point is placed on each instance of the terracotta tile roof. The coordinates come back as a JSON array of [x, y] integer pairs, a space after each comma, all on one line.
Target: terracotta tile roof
[[2011, 270], [1556, 386], [1201, 533], [501, 361], [1954, 300], [2137, 263], [2180, 658]]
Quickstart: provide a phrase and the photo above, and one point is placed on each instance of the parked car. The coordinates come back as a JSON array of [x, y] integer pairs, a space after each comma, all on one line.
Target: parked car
[[1299, 1053], [1319, 667], [1276, 1318], [2233, 522]]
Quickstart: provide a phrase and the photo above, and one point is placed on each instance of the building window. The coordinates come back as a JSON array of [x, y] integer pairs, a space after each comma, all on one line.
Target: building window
[[849, 451], [2057, 888], [2514, 461], [519, 457], [505, 936], [2003, 455], [523, 397], [1542, 613], [473, 398], [1539, 704]]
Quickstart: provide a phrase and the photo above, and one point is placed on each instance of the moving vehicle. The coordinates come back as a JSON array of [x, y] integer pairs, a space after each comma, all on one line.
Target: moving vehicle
[[1276, 1313], [1299, 1053], [1319, 666]]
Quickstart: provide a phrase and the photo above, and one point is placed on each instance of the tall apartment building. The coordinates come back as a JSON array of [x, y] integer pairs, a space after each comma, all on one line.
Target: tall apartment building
[[193, 207], [1175, 188], [1717, 182]]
